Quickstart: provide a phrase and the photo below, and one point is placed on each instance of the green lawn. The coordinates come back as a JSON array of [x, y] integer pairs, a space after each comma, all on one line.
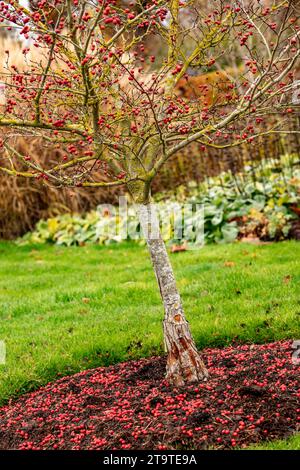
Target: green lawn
[[67, 309], [292, 443]]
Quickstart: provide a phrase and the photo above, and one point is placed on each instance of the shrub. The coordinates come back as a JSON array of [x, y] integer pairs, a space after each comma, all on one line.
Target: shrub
[[261, 204]]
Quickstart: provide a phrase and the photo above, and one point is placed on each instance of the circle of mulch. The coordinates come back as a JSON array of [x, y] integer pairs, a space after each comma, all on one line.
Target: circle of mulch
[[252, 395]]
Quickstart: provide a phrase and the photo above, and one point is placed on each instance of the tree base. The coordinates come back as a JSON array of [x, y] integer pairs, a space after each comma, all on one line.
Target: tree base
[[184, 363]]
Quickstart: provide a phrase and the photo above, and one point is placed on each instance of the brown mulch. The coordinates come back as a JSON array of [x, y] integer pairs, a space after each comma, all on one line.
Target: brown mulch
[[252, 396]]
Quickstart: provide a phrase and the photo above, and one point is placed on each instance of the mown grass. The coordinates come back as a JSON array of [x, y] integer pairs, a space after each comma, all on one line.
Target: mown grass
[[67, 309], [292, 443]]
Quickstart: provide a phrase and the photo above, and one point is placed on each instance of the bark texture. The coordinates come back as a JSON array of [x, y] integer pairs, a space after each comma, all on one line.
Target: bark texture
[[184, 363]]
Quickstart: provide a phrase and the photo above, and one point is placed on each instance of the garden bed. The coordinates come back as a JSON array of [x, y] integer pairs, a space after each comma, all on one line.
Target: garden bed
[[252, 396]]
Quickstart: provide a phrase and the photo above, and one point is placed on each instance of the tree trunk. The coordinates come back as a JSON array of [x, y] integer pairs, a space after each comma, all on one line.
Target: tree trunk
[[184, 363]]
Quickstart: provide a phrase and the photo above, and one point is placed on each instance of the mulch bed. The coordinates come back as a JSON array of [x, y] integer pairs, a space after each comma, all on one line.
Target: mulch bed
[[252, 395]]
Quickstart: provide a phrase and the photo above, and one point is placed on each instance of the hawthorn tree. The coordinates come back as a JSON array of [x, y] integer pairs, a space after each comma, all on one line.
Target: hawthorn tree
[[90, 82]]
